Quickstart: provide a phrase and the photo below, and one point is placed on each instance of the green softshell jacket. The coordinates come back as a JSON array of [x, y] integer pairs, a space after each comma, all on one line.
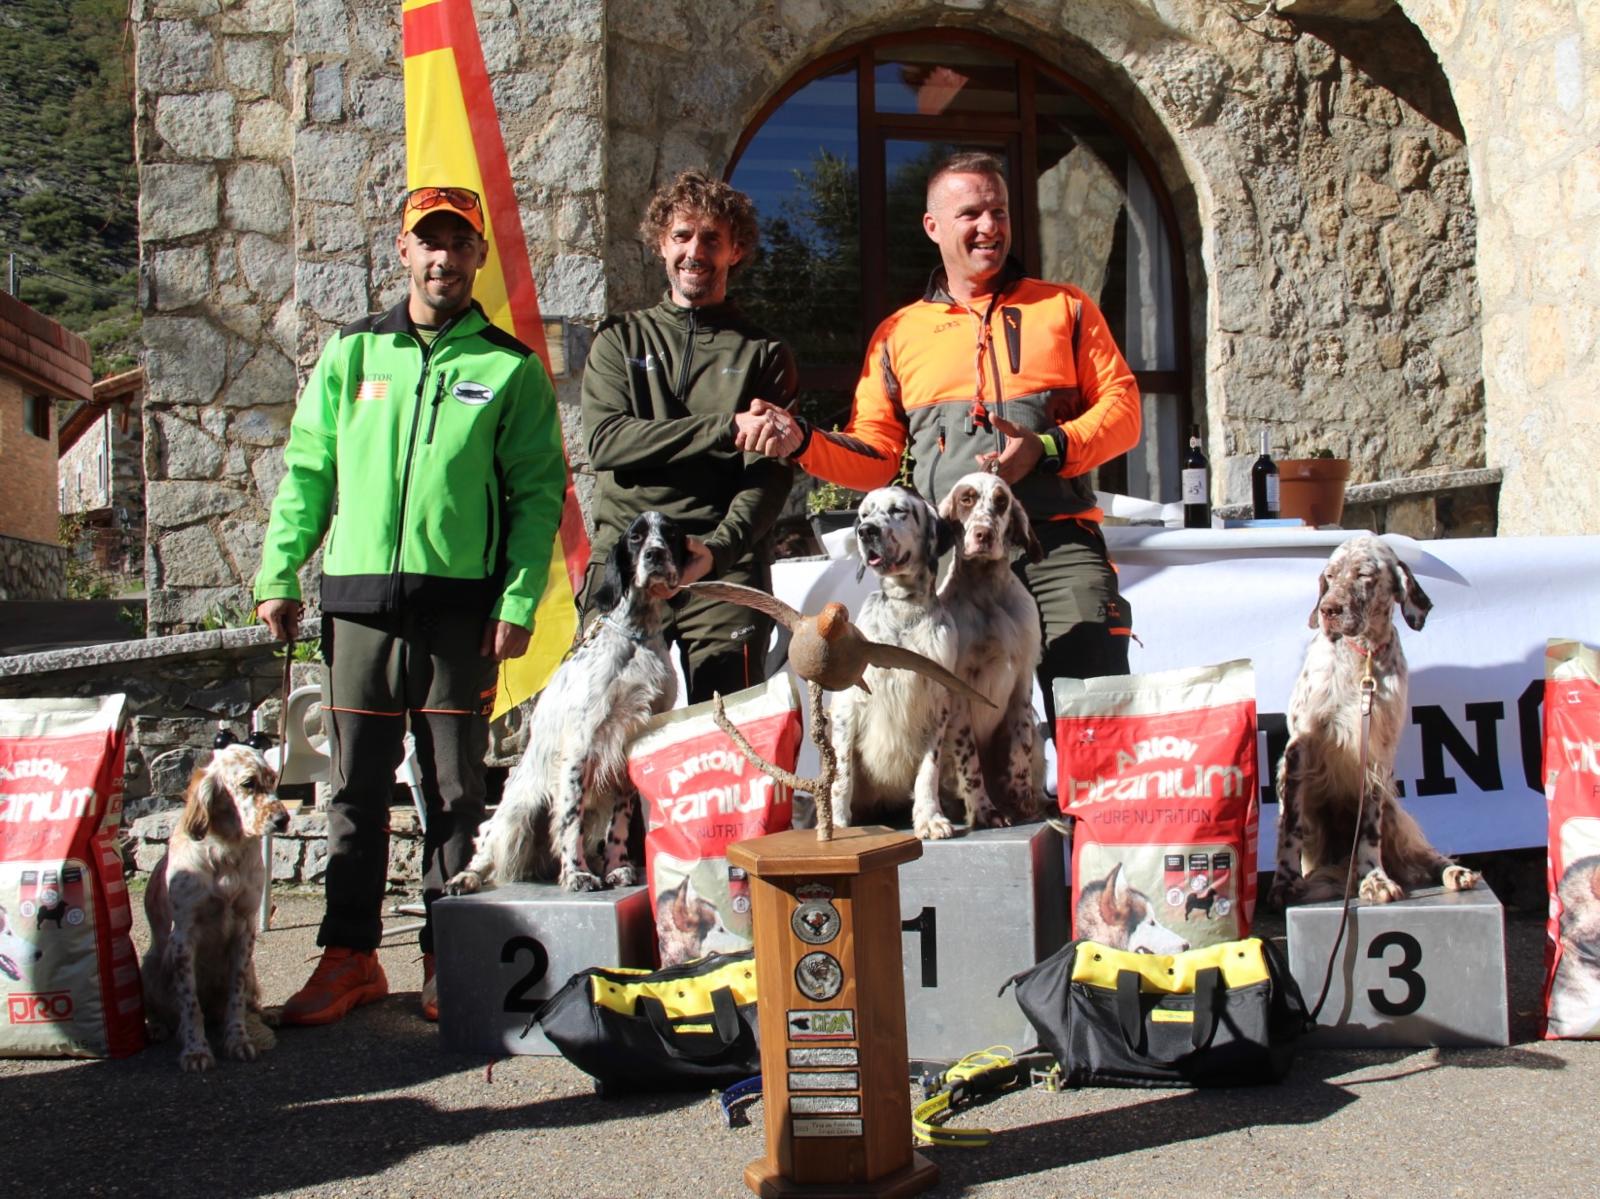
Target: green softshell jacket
[[437, 475], [659, 393]]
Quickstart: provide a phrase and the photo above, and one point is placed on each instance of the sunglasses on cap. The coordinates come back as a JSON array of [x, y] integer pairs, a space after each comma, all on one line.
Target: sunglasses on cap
[[462, 201]]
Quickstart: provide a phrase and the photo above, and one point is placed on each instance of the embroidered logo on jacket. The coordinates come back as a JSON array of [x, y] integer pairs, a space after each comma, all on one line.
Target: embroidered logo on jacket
[[472, 393], [373, 389]]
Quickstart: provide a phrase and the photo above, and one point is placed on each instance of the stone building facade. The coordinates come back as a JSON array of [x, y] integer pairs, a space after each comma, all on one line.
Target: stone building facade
[[42, 365], [1386, 212], [100, 475]]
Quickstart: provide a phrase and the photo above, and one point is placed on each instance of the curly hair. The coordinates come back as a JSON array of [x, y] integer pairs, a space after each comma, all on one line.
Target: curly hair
[[967, 162], [695, 191]]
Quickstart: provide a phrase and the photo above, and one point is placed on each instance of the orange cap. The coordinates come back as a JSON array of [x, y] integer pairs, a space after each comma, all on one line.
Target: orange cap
[[423, 202]]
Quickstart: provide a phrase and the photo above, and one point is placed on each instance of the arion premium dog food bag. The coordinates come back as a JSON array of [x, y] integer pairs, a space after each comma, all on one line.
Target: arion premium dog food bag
[[1158, 772], [701, 794], [69, 980], [1572, 792]]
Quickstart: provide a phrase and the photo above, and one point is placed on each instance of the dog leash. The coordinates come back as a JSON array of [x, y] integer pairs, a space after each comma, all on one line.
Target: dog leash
[[1369, 688]]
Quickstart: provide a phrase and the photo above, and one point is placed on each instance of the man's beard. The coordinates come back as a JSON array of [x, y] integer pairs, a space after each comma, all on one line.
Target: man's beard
[[704, 284], [459, 296]]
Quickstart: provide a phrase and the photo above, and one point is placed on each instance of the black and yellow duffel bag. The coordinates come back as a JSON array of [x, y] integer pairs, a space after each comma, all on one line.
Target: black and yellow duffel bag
[[1221, 1015], [691, 1025]]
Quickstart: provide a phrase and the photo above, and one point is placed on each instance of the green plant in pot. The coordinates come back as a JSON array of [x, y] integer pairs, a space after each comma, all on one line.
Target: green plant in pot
[[831, 507], [1312, 487]]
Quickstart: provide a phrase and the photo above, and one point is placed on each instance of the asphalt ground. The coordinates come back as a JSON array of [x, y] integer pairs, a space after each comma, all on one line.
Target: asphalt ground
[[372, 1106]]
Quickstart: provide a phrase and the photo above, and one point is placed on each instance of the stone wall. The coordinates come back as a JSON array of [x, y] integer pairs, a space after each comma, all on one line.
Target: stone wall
[[271, 143], [1328, 194], [32, 570], [179, 688], [1526, 79]]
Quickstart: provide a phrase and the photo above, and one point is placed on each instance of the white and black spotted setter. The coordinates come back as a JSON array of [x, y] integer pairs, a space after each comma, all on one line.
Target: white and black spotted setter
[[889, 738], [571, 789], [996, 749]]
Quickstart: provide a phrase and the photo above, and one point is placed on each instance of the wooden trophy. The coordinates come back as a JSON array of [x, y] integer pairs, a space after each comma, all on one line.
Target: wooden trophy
[[826, 913], [833, 1014]]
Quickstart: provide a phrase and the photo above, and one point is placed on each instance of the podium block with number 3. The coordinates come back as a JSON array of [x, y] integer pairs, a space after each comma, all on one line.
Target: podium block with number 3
[[500, 954], [1428, 970]]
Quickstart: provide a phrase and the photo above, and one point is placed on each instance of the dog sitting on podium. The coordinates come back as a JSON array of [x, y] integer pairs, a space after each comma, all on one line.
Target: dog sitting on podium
[[1320, 783], [570, 790], [890, 739]]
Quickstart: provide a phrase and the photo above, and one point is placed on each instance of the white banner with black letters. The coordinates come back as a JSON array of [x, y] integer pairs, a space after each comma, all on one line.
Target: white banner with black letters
[[1469, 761]]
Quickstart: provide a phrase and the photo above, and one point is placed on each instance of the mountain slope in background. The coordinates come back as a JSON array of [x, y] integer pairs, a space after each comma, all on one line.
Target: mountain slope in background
[[68, 188]]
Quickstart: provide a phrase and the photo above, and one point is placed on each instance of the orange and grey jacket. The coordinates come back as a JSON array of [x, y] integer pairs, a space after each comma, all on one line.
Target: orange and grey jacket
[[1037, 354]]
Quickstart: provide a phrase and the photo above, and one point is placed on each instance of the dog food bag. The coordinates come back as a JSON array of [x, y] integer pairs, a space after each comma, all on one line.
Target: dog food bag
[[1158, 772], [1572, 794], [700, 794], [69, 978]]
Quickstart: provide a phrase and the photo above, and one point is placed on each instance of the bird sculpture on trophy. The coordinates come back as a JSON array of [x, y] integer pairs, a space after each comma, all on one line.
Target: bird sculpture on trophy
[[830, 654]]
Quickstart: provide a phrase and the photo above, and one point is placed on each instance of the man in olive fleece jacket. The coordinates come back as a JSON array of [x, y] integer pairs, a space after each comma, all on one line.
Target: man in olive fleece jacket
[[664, 394]]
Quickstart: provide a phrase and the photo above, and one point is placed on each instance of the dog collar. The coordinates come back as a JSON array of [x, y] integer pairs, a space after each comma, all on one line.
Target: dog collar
[[1366, 651], [636, 638]]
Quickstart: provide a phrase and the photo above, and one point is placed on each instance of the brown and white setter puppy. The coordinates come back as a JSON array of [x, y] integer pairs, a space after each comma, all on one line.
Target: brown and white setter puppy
[[202, 904], [997, 623], [570, 790], [1319, 779], [889, 738]]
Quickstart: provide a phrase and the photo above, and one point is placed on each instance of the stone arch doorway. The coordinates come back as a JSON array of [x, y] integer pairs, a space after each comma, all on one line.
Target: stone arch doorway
[[837, 161]]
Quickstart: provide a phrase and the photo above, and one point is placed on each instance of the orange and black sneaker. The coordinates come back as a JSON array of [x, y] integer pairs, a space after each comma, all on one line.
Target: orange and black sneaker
[[430, 990], [343, 979]]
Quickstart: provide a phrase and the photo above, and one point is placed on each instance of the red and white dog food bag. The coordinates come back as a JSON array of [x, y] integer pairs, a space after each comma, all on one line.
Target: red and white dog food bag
[[69, 978], [1158, 772], [1572, 793], [700, 795]]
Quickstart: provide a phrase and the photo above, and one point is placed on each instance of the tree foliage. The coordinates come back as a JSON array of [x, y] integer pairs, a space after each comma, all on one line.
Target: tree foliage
[[68, 188]]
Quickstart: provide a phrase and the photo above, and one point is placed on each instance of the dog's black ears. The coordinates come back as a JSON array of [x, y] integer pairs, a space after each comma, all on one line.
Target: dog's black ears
[[1020, 530], [1322, 590], [943, 533], [614, 582], [1414, 602]]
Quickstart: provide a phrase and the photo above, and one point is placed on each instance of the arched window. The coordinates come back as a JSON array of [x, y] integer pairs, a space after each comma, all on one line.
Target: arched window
[[837, 164]]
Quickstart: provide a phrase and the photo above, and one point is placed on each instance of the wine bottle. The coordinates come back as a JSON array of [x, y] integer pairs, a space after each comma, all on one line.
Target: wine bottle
[[1264, 482], [1196, 485]]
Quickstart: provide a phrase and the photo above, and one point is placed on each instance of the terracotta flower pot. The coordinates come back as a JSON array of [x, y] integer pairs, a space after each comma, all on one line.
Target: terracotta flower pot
[[1312, 489]]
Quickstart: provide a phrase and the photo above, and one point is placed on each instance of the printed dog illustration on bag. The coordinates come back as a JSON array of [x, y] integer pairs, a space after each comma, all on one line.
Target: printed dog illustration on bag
[[689, 926], [1113, 912], [1575, 995], [17, 953]]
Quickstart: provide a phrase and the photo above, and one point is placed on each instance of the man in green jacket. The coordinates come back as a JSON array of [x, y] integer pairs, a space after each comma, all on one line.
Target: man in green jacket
[[426, 450], [664, 392]]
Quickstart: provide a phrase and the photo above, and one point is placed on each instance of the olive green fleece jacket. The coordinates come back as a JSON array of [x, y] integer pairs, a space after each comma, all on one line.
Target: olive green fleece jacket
[[659, 393], [436, 474]]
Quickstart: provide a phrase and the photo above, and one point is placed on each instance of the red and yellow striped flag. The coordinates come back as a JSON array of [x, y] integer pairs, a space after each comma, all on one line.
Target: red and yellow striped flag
[[453, 138]]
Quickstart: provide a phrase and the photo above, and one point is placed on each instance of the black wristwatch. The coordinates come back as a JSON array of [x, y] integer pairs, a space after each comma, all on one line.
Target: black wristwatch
[[1054, 441]]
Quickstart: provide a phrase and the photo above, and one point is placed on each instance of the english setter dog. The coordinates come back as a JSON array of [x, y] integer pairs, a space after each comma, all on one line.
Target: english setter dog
[[202, 904], [889, 739], [570, 790], [997, 622], [1319, 778]]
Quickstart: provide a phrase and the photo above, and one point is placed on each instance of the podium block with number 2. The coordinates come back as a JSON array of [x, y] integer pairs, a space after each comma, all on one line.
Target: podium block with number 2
[[502, 953]]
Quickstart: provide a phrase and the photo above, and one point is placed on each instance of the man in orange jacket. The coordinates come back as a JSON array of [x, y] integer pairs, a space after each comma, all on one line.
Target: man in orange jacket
[[992, 369]]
